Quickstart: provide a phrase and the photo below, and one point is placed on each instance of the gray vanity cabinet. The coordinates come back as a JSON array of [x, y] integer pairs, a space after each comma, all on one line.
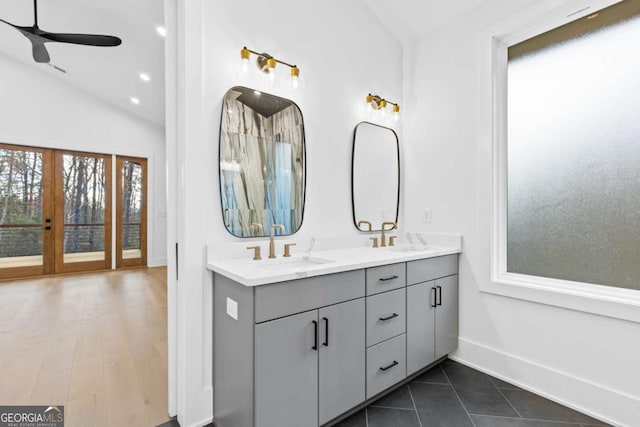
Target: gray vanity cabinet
[[342, 354], [421, 323], [286, 374], [303, 352], [289, 354], [304, 374], [432, 310], [446, 311]]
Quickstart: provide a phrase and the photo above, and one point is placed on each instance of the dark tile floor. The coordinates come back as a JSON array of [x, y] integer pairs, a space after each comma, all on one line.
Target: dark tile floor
[[453, 395]]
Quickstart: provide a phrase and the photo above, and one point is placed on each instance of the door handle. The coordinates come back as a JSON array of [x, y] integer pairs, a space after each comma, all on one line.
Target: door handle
[[439, 293], [326, 332], [386, 279], [433, 294], [386, 368], [315, 335], [384, 319]]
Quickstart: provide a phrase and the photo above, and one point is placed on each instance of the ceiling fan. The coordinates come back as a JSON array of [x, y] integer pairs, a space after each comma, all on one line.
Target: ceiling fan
[[38, 38]]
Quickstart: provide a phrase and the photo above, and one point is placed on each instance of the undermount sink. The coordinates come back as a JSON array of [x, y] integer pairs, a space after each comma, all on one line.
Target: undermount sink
[[293, 263], [407, 247]]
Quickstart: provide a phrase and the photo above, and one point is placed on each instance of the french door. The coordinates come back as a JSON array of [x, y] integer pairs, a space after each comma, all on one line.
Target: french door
[[25, 211], [82, 212], [131, 212], [55, 211]]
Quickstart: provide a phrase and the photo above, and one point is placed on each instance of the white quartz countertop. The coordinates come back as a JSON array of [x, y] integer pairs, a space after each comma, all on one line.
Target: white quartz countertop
[[322, 260]]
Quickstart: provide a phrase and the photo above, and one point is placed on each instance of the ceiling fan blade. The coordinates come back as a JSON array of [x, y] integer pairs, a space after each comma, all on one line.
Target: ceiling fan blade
[[8, 23], [84, 39], [40, 53]]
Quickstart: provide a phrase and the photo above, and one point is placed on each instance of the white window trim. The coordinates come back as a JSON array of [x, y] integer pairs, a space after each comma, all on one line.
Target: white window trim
[[596, 299]]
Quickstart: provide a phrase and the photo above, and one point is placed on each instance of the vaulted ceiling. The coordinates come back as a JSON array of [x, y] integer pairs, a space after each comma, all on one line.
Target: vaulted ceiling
[[407, 19], [110, 73], [113, 74]]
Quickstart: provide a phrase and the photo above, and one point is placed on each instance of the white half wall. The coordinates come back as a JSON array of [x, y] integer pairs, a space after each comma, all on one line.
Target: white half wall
[[39, 110], [583, 360], [344, 53]]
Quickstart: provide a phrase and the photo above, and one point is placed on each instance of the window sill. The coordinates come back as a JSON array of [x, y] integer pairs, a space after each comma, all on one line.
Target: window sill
[[600, 300]]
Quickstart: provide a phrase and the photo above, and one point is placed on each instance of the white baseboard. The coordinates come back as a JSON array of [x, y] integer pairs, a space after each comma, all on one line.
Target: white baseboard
[[600, 402], [157, 262]]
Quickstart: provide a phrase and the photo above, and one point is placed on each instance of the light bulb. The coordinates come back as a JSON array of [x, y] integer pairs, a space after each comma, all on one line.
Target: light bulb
[[295, 77], [383, 108], [369, 108], [244, 59], [271, 69], [396, 116]]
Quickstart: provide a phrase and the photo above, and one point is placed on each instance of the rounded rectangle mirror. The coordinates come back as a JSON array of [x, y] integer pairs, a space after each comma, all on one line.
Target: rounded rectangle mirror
[[375, 176], [262, 163]]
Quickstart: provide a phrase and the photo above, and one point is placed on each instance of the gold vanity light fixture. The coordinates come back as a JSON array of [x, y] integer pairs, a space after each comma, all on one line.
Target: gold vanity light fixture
[[377, 103], [267, 64]]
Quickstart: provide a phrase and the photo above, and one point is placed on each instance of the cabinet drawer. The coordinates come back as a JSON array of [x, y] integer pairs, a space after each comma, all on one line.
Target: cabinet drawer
[[386, 365], [386, 316], [431, 268], [296, 296], [385, 278]]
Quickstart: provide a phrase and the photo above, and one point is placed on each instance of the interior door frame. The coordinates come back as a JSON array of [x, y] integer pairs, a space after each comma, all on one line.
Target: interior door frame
[[134, 262], [58, 224], [47, 212]]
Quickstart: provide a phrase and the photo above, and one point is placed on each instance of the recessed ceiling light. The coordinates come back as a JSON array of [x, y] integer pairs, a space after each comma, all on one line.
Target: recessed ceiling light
[[161, 30], [145, 77], [257, 92], [135, 100]]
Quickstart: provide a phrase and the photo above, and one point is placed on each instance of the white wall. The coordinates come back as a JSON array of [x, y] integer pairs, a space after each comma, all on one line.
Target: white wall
[[343, 53], [587, 361], [39, 110]]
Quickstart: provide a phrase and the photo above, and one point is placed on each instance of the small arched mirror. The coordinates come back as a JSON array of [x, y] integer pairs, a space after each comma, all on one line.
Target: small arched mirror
[[375, 176], [262, 163]]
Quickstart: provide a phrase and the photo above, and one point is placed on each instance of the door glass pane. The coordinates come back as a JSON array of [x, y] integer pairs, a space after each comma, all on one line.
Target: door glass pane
[[21, 195], [132, 206], [84, 208]]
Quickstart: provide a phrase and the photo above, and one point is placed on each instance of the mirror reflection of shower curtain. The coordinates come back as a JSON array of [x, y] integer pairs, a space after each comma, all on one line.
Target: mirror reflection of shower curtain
[[279, 197], [231, 185]]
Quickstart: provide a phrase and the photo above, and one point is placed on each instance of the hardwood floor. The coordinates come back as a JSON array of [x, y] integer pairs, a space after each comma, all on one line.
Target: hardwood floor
[[95, 343]]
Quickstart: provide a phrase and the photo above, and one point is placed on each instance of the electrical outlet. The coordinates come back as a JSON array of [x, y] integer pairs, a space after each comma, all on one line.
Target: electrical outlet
[[427, 216], [232, 308]]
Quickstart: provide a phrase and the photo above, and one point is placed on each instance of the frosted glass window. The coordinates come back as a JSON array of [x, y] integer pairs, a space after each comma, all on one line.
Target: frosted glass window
[[573, 208]]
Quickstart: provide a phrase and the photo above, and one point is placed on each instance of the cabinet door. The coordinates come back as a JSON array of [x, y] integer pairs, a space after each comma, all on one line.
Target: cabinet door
[[286, 372], [420, 326], [342, 358], [447, 316]]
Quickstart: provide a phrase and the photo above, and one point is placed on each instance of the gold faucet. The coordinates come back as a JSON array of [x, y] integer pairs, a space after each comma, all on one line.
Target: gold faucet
[[383, 239], [258, 226], [256, 252], [272, 246], [364, 222]]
